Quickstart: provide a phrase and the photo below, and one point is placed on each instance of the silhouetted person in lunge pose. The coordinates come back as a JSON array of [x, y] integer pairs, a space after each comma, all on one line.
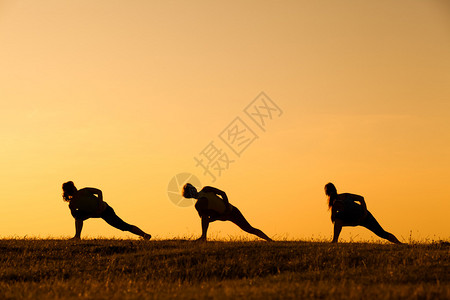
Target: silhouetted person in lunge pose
[[88, 203], [211, 207], [346, 212]]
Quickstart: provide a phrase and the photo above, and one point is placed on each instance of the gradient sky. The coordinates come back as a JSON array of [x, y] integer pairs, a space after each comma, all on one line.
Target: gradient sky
[[122, 95]]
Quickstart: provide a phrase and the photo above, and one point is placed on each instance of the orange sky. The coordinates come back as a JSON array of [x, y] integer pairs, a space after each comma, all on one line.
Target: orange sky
[[123, 95]]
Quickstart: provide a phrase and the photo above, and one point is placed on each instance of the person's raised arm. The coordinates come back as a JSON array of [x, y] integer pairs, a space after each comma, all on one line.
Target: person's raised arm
[[357, 198], [363, 203], [99, 198], [222, 194], [95, 192], [360, 199]]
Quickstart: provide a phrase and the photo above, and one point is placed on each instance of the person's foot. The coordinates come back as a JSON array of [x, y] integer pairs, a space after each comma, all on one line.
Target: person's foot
[[147, 237], [200, 240]]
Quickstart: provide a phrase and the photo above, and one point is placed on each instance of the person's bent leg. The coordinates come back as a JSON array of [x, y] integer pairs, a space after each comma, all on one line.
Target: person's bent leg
[[372, 224], [237, 218], [112, 219]]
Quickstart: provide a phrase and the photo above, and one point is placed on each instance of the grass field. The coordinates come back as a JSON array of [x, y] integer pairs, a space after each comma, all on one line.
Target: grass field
[[132, 269]]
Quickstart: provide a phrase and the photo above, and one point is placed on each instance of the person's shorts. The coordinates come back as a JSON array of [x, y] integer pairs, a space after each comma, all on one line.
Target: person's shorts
[[79, 214], [350, 217]]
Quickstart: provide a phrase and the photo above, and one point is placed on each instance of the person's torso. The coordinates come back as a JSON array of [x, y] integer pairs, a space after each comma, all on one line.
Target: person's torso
[[215, 203], [346, 203], [85, 201]]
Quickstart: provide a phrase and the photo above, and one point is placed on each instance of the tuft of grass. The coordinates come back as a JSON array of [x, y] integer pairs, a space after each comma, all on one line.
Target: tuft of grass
[[134, 269]]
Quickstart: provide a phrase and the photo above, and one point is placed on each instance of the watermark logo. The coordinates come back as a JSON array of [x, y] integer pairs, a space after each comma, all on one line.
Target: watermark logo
[[175, 188]]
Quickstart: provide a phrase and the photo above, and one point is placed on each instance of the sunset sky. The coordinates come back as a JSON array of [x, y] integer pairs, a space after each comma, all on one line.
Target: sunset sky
[[123, 95]]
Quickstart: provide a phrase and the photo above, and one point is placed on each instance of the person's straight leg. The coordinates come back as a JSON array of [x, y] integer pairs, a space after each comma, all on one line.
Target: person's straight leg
[[237, 218], [112, 219], [372, 224]]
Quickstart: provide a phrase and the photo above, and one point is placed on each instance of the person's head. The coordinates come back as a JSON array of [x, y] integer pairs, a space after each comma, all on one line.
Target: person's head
[[69, 190], [189, 191], [331, 192]]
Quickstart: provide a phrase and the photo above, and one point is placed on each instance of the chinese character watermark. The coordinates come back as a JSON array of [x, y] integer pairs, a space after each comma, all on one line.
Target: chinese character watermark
[[217, 156], [213, 161], [237, 136], [262, 110]]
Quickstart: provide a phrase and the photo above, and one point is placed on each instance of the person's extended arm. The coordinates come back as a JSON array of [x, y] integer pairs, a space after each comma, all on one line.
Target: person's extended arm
[[78, 228], [205, 225], [201, 207], [337, 230]]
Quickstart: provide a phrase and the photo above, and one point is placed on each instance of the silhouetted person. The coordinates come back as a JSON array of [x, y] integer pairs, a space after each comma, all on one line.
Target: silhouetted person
[[88, 203], [346, 212], [211, 207]]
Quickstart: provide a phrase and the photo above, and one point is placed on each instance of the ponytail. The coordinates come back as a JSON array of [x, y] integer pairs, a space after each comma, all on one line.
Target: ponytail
[[331, 192]]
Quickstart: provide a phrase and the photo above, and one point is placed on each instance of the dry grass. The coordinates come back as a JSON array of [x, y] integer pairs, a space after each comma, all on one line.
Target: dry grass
[[129, 269]]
